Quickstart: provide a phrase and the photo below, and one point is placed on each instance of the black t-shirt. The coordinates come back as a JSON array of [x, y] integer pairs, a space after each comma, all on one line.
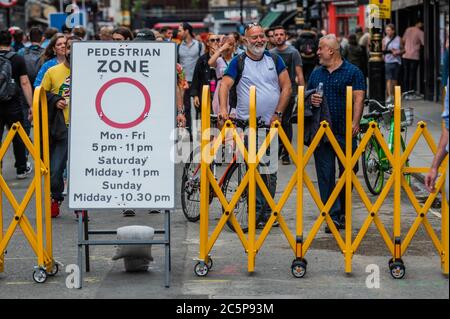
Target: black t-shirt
[[19, 68]]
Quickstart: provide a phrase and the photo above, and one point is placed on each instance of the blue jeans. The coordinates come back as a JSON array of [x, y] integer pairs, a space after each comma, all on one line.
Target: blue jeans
[[58, 161], [325, 162]]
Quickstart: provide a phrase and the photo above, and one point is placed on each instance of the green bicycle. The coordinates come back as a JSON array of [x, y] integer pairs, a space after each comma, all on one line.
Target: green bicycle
[[375, 163]]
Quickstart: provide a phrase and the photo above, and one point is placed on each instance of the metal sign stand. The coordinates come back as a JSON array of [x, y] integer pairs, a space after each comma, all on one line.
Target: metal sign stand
[[83, 240]]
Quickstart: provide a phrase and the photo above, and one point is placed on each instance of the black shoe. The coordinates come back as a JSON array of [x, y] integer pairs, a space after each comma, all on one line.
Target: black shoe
[[286, 161], [337, 224]]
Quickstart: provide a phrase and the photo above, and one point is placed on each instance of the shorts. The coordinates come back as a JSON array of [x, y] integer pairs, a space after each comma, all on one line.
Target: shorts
[[392, 71]]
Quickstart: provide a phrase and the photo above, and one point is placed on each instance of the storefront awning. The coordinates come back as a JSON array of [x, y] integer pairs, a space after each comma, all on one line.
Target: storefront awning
[[270, 18]]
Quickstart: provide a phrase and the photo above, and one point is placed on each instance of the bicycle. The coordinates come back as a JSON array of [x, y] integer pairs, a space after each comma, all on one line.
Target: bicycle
[[229, 181], [374, 161]]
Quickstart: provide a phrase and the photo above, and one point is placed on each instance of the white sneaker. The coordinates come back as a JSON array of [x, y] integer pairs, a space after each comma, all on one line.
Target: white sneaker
[[27, 172]]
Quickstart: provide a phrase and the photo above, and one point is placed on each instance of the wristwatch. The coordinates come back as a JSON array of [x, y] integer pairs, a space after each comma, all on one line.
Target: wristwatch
[[279, 114], [180, 111]]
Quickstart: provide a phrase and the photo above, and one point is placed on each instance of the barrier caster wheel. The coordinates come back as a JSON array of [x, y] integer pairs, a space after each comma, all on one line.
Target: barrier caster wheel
[[397, 270], [391, 261], [39, 276], [209, 264], [298, 268], [55, 269], [201, 269]]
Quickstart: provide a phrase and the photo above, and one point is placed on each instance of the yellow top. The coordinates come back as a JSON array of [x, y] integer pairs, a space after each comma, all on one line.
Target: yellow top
[[57, 81]]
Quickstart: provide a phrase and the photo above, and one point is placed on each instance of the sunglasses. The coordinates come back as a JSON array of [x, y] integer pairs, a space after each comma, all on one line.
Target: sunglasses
[[251, 25], [214, 40]]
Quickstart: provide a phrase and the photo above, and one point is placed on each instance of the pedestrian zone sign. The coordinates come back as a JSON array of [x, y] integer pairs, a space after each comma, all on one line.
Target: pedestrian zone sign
[[122, 117]]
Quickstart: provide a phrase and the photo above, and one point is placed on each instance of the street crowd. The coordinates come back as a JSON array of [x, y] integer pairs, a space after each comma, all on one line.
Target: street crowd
[[274, 60]]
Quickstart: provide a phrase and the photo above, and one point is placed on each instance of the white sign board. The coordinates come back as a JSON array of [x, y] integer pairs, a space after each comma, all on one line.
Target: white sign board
[[122, 116]]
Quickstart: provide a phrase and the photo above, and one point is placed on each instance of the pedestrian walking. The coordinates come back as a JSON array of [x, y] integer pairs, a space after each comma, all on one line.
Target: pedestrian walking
[[189, 51], [13, 82], [54, 54], [268, 73], [356, 54], [293, 61], [307, 45], [392, 50], [335, 74], [57, 81], [413, 39]]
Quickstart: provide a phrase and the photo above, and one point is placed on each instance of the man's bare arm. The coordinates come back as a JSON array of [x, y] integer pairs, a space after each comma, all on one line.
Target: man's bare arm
[[286, 91]]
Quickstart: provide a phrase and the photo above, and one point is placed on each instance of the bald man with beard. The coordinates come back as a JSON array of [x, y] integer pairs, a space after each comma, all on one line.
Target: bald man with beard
[[335, 74]]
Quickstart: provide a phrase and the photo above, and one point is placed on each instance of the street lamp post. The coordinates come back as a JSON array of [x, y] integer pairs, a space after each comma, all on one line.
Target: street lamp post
[[377, 82]]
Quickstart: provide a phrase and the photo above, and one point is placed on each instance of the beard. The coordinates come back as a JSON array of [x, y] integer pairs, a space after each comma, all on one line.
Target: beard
[[256, 50]]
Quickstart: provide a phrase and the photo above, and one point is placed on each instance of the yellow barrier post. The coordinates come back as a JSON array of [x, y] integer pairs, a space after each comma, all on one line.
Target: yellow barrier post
[[204, 182], [348, 182], [445, 213], [37, 175], [396, 265], [252, 180], [300, 145]]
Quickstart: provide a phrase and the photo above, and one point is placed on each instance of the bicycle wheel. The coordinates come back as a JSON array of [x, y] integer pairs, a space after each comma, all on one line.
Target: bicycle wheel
[[231, 182], [190, 190], [371, 166]]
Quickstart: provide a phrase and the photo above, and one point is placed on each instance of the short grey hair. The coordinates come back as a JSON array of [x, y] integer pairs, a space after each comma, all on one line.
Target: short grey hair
[[331, 41]]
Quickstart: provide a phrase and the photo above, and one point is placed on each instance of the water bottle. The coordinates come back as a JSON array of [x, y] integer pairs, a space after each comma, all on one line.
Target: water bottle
[[319, 90]]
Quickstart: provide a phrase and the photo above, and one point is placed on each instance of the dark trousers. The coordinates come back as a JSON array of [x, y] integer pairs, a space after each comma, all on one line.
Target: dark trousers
[[410, 68], [325, 162], [187, 109], [8, 119], [287, 128], [58, 161]]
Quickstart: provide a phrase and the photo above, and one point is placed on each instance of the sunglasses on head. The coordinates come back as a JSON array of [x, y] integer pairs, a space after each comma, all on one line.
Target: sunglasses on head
[[214, 40], [251, 25]]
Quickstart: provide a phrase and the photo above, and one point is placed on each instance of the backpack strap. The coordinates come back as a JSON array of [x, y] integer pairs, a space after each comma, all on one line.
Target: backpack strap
[[200, 47], [9, 55]]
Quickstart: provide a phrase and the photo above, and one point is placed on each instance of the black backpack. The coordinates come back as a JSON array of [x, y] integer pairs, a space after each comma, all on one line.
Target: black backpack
[[7, 84], [241, 64], [32, 57], [307, 45]]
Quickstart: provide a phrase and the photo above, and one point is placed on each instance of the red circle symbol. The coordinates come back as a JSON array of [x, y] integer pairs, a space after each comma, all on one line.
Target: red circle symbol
[[107, 120]]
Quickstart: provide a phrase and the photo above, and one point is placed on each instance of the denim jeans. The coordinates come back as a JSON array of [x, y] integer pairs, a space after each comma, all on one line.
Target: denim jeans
[[58, 161], [7, 119], [325, 162]]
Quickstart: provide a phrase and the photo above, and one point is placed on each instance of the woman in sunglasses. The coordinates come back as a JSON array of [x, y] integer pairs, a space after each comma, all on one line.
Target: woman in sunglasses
[[224, 52], [203, 73]]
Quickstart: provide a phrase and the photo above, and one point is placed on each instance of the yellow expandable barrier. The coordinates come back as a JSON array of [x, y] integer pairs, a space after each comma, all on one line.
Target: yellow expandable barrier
[[41, 239], [300, 178]]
